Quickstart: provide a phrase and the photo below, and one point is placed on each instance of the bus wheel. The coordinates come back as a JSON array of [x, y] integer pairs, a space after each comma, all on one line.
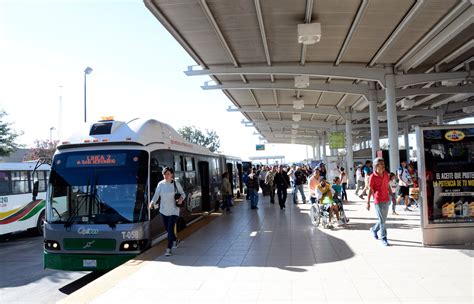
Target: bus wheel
[[40, 223]]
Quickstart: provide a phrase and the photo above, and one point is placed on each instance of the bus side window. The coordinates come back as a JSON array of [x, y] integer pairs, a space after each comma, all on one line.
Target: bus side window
[[155, 176]]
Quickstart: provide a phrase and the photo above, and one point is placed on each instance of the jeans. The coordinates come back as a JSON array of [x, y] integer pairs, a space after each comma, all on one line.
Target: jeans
[[281, 192], [253, 197], [360, 185], [344, 191], [169, 221], [295, 193], [227, 202], [381, 210], [393, 198]]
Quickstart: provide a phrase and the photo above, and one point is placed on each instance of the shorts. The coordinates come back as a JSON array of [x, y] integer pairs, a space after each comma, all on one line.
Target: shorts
[[403, 191], [326, 207]]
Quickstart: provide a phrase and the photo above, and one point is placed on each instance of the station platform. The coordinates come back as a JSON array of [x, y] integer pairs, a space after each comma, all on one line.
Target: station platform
[[276, 256]]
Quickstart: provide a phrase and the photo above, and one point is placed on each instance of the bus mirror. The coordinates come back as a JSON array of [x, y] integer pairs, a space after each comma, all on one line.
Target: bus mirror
[[35, 189]]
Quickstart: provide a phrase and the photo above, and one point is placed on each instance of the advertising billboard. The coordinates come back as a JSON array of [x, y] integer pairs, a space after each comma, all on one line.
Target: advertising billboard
[[446, 155]]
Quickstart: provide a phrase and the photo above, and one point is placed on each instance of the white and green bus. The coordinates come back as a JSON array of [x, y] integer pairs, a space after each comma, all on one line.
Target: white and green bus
[[22, 194]]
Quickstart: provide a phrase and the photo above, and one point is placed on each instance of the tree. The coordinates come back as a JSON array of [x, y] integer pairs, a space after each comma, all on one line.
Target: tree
[[7, 137], [210, 139], [43, 150]]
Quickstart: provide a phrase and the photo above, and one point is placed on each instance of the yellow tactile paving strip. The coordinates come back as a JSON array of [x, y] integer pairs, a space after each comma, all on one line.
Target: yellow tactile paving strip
[[99, 286]]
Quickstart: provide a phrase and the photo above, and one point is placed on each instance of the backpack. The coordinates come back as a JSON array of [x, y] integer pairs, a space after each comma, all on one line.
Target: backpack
[[362, 172]]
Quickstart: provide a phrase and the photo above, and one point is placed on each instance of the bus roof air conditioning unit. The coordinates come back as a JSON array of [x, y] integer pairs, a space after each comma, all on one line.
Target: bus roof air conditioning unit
[[309, 33]]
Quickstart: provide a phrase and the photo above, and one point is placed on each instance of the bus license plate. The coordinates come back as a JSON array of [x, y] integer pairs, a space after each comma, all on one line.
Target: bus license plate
[[89, 263]]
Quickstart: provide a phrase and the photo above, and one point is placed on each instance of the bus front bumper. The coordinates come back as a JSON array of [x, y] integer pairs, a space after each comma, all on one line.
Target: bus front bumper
[[84, 262]]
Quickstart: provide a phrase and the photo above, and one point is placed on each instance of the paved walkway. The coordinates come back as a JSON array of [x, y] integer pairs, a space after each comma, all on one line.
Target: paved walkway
[[274, 256]]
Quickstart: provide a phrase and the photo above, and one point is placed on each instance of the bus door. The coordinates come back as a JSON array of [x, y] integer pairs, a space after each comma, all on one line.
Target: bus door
[[204, 174]]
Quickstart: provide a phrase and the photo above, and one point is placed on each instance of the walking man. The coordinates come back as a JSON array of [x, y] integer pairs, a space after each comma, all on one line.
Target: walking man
[[282, 182], [379, 188]]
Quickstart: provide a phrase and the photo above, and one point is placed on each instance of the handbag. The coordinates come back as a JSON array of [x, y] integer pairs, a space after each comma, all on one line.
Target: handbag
[[177, 196]]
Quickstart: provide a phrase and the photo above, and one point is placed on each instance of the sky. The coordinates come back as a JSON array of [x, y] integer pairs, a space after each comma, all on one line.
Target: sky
[[137, 72]]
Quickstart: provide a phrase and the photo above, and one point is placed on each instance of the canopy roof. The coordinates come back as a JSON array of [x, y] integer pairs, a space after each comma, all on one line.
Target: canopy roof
[[250, 50]]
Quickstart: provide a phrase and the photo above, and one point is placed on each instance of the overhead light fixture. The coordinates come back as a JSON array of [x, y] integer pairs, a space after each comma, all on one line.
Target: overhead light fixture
[[294, 132], [309, 33], [301, 81], [407, 103], [468, 110], [295, 126], [298, 104], [296, 117]]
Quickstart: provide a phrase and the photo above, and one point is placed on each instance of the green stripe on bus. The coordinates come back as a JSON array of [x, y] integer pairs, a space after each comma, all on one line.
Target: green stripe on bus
[[34, 211], [76, 262]]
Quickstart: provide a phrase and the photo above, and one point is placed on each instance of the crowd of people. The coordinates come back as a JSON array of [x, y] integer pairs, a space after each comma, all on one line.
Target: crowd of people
[[372, 181]]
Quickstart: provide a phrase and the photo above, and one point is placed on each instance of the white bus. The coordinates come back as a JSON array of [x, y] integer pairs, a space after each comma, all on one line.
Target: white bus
[[22, 196]]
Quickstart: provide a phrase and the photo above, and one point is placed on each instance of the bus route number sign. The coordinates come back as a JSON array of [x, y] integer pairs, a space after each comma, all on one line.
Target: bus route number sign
[[96, 160]]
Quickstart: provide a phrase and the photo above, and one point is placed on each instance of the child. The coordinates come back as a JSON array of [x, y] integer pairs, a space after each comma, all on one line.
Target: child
[[393, 196]]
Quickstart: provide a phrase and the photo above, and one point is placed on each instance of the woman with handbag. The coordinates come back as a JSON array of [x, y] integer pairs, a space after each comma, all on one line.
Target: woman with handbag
[[171, 196]]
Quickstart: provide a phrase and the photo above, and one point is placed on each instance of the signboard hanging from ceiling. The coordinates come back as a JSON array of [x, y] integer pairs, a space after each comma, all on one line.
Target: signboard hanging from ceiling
[[260, 147], [337, 140]]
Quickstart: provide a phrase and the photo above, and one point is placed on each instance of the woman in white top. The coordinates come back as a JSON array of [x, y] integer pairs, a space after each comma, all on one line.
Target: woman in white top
[[167, 190], [343, 177]]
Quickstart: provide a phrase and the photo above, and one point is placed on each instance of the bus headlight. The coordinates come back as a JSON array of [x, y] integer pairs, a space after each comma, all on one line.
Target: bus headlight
[[51, 245], [134, 245]]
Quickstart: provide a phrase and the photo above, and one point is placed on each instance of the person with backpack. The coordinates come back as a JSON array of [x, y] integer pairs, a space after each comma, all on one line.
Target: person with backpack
[[404, 183], [245, 180]]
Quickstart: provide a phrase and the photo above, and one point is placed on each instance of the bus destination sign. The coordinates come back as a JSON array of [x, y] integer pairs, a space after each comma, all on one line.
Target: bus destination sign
[[96, 160]]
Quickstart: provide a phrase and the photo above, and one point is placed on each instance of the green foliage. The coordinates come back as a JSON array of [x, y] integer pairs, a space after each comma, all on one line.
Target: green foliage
[[194, 135], [7, 137], [43, 150]]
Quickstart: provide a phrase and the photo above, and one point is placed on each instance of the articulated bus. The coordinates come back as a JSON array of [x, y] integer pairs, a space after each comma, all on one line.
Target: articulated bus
[[22, 194], [101, 182]]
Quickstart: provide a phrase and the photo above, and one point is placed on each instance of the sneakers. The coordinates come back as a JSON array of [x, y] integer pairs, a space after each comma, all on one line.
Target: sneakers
[[407, 209], [361, 197], [176, 243], [385, 242], [374, 233], [394, 213], [168, 252]]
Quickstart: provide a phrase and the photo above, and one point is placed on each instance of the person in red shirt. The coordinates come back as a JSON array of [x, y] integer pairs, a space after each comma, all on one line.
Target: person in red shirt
[[379, 186]]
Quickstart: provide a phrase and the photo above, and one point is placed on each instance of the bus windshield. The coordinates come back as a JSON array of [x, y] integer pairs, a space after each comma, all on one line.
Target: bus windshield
[[98, 187]]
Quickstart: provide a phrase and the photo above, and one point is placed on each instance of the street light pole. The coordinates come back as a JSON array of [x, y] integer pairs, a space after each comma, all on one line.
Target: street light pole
[[87, 71]]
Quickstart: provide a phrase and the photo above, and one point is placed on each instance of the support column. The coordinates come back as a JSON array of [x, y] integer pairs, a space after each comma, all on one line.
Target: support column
[[349, 152], [374, 119], [392, 122], [324, 147], [406, 129], [318, 149], [439, 117]]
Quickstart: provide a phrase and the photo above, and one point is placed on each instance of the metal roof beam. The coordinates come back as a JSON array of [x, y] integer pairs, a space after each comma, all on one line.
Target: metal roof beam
[[358, 89], [459, 24], [467, 89], [327, 111], [355, 24], [412, 79], [307, 19], [261, 25], [316, 70], [400, 27]]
